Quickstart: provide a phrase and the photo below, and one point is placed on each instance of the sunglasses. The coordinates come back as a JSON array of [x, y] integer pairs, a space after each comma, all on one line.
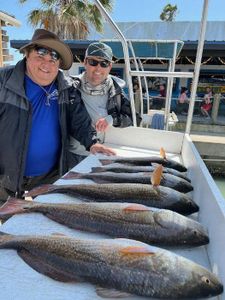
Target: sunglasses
[[43, 52], [95, 63]]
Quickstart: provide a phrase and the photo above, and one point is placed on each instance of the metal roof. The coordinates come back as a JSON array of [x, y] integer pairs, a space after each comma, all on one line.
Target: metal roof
[[185, 31], [152, 32]]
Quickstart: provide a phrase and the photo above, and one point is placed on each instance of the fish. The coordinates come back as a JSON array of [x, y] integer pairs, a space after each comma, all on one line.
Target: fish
[[145, 161], [159, 197], [127, 220], [168, 180], [127, 266], [124, 168]]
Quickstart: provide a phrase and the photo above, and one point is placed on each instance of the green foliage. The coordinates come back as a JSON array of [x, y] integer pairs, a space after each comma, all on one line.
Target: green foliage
[[69, 19], [169, 13]]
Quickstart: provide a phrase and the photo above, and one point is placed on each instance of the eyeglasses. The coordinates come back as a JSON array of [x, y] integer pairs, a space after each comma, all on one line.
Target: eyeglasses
[[43, 52], [95, 63]]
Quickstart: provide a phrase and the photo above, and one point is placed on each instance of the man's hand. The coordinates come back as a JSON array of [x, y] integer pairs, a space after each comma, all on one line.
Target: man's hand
[[99, 148], [101, 125]]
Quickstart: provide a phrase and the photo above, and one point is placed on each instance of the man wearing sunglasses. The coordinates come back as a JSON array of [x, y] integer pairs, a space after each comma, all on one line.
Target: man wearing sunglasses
[[102, 95], [38, 114]]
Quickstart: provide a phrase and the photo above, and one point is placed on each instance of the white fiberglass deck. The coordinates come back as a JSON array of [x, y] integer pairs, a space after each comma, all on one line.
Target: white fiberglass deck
[[19, 281]]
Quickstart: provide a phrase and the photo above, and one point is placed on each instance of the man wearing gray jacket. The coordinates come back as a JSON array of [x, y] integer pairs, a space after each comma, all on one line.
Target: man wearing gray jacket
[[102, 96]]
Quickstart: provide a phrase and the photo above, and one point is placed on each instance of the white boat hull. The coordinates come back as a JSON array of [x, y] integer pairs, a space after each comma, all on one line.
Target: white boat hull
[[19, 281]]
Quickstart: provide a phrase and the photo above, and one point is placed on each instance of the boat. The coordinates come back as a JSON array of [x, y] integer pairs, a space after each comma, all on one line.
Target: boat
[[19, 281]]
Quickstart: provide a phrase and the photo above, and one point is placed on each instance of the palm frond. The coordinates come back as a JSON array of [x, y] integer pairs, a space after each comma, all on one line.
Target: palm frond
[[69, 19]]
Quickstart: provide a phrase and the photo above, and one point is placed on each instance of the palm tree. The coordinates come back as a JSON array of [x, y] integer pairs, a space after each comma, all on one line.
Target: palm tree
[[69, 19], [169, 13]]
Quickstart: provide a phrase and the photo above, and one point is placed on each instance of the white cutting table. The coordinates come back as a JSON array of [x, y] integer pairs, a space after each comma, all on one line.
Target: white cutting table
[[19, 281]]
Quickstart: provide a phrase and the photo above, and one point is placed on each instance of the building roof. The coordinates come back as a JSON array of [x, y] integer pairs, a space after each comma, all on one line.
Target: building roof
[[155, 31], [9, 19], [185, 31]]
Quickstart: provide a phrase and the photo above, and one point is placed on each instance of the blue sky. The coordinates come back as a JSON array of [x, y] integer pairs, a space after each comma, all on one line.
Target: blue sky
[[124, 10]]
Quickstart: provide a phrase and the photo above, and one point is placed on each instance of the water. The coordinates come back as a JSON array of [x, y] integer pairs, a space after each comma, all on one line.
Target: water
[[221, 184]]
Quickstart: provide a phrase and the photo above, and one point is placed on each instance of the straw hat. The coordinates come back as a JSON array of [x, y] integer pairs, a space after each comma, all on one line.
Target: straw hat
[[45, 38]]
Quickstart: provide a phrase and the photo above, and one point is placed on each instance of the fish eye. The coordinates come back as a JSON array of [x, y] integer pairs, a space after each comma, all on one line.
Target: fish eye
[[195, 232], [206, 279]]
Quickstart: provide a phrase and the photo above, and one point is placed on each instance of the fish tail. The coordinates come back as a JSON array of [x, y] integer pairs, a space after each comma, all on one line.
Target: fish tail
[[14, 206], [73, 175], [43, 189], [96, 169], [106, 161], [4, 238]]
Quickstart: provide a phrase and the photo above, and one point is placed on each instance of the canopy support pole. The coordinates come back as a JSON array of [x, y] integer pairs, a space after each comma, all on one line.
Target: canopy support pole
[[197, 66]]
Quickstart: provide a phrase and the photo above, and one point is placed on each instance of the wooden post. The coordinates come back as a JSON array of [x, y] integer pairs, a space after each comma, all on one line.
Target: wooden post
[[215, 108]]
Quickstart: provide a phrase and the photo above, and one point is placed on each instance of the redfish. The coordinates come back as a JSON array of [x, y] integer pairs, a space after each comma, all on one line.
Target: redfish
[[124, 168], [145, 161], [124, 265], [160, 196], [168, 180], [128, 220]]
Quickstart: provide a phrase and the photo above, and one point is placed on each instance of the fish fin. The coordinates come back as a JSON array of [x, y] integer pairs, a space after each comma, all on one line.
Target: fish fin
[[111, 293], [162, 153], [59, 234], [72, 175], [157, 175], [136, 250], [14, 206], [135, 207], [42, 267], [105, 161], [42, 189]]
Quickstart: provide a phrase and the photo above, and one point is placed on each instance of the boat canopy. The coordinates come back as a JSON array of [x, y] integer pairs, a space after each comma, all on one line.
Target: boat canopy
[[147, 49], [171, 66]]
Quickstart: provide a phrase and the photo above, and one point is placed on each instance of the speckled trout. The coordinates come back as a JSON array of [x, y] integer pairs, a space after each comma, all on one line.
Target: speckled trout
[[135, 221], [159, 196], [168, 180], [125, 265]]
